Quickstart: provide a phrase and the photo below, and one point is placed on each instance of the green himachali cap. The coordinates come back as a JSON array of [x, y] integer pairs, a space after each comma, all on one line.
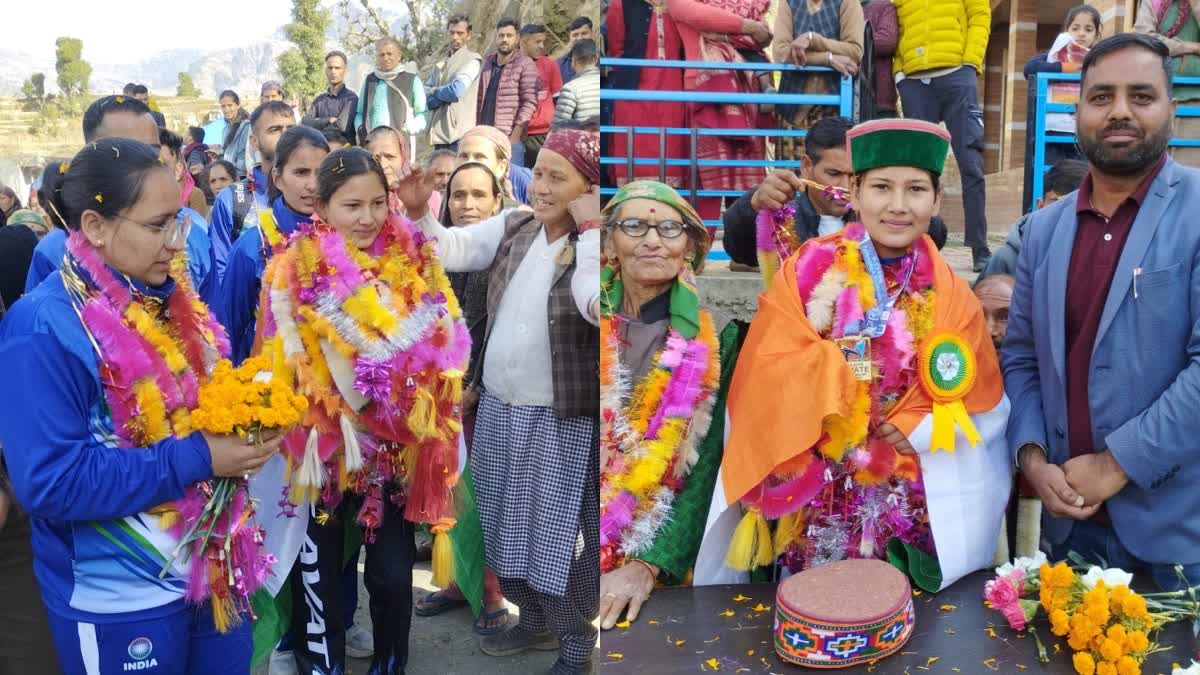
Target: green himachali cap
[[903, 142]]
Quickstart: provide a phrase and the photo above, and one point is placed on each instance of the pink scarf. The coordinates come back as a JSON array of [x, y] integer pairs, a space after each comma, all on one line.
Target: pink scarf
[[189, 184]]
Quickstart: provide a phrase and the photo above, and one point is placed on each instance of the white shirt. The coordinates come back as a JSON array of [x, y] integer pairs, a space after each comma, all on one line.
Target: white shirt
[[517, 364], [829, 225]]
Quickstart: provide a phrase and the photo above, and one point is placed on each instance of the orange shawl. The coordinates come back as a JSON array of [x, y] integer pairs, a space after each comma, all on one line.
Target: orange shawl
[[789, 379]]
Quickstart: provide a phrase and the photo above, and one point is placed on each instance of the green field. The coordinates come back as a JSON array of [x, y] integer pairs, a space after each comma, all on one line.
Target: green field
[[18, 144]]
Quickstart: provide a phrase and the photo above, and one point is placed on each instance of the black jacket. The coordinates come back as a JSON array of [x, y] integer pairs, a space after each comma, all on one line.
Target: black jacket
[[741, 232]]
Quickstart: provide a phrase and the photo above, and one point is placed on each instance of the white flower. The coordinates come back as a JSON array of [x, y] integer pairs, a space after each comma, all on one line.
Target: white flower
[[1111, 577], [1193, 669], [1029, 567], [948, 365]]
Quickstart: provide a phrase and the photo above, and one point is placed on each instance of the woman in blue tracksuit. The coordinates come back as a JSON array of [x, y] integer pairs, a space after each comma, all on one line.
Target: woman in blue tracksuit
[[98, 552], [292, 191]]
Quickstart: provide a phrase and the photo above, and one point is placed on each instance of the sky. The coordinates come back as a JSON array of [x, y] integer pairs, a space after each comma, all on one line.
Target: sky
[[128, 31]]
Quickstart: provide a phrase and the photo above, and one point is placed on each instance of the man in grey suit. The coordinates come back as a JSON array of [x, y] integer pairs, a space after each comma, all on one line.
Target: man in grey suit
[[1102, 357]]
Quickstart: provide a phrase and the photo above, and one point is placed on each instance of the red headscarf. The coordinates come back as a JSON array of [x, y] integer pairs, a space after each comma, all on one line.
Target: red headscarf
[[580, 148]]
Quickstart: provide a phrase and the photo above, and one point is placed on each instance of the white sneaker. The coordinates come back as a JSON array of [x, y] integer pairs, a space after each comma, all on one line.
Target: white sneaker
[[282, 663], [360, 643]]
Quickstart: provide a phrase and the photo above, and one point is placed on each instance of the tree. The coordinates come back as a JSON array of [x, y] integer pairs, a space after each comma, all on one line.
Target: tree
[[362, 27], [303, 67], [425, 33], [187, 88], [424, 36], [73, 71], [34, 92]]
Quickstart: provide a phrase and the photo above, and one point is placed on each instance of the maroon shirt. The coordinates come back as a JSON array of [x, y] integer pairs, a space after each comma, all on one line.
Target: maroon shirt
[[1098, 245]]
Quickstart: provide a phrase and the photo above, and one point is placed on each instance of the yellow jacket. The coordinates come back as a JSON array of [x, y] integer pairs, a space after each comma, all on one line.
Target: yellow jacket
[[938, 34]]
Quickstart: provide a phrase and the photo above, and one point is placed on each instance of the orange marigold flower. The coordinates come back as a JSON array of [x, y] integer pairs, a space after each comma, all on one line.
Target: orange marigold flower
[[1137, 641], [1084, 663], [1098, 614], [1128, 666], [1060, 623], [1105, 668], [1134, 606], [1116, 633], [1063, 576], [1111, 650]]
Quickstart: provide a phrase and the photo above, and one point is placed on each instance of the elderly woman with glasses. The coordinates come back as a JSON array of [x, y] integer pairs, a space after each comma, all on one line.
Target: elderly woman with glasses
[[665, 365]]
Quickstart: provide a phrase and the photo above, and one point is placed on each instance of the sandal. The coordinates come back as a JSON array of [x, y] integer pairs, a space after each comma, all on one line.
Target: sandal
[[436, 603], [481, 624]]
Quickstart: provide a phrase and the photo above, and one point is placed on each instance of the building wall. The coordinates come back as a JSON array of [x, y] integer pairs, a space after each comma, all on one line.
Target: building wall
[[1020, 30]]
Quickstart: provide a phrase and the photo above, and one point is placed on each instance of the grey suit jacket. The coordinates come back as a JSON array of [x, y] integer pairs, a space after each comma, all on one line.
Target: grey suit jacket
[[1144, 376]]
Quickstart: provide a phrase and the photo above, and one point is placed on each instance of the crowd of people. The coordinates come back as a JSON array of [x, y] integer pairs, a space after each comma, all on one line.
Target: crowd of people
[[925, 59], [147, 257]]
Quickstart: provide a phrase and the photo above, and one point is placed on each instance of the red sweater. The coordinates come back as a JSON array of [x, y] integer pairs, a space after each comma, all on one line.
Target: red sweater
[[549, 84]]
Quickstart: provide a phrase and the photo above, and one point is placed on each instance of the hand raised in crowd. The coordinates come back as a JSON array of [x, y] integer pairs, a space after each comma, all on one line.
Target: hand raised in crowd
[[889, 434], [779, 188], [798, 52], [585, 209], [627, 586], [234, 457], [1096, 476], [843, 64], [1050, 482], [415, 185]]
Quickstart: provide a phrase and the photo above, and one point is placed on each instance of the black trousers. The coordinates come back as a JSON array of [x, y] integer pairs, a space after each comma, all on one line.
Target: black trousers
[[26, 647], [953, 99], [317, 622], [533, 146]]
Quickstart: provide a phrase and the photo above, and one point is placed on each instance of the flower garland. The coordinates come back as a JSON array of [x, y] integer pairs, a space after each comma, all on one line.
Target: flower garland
[[775, 231], [152, 358], [375, 340], [650, 432], [855, 492]]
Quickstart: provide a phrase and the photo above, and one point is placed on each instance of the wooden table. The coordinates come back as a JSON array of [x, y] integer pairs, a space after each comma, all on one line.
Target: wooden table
[[681, 630]]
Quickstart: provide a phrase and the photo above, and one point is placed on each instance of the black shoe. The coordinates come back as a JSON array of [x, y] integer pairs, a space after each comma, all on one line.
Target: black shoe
[[516, 640], [980, 258], [563, 668]]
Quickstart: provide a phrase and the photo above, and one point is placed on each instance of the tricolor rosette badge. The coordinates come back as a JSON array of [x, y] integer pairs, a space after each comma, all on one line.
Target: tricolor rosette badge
[[948, 369]]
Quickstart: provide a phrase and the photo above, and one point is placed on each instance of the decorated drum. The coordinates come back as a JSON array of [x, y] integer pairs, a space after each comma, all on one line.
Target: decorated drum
[[842, 614]]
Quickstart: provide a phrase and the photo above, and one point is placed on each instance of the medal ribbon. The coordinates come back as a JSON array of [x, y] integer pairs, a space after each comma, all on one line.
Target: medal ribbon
[[877, 317]]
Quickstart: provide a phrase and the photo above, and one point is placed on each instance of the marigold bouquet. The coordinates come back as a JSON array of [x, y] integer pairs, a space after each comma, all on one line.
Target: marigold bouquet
[[215, 522], [1107, 625]]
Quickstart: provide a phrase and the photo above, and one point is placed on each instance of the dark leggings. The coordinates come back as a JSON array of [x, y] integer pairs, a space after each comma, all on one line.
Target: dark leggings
[[318, 624]]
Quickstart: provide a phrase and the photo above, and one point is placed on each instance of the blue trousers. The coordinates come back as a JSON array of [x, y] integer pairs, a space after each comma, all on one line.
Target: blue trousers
[[1095, 542], [183, 643], [518, 154]]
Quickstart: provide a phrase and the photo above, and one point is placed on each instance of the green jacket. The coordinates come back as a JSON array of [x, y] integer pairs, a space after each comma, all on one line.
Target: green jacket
[[675, 548]]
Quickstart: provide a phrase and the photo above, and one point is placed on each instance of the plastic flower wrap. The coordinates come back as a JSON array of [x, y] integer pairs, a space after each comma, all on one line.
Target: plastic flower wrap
[[215, 522]]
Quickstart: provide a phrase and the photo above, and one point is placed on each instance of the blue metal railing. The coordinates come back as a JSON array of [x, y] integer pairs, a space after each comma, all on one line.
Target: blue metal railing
[[1044, 107], [843, 101]]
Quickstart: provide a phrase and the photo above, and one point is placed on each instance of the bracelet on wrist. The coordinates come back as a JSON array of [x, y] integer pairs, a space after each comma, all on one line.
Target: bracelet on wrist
[[643, 563]]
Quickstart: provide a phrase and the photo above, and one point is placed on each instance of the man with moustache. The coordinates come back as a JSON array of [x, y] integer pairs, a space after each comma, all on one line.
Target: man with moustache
[[1100, 356]]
